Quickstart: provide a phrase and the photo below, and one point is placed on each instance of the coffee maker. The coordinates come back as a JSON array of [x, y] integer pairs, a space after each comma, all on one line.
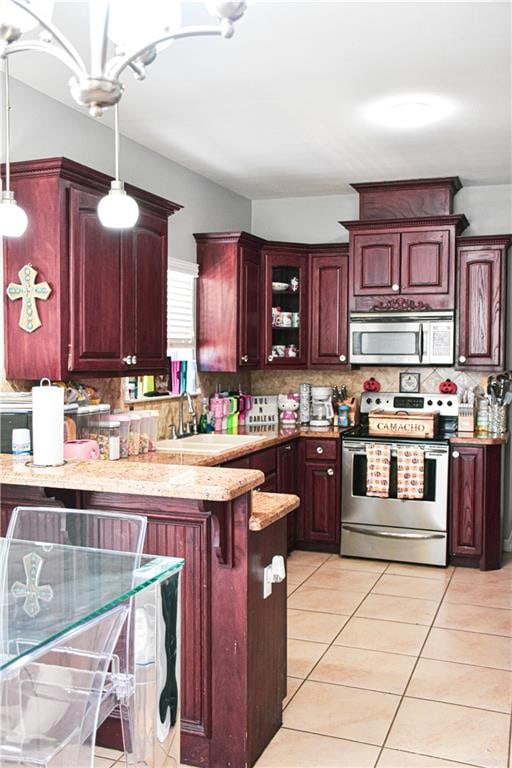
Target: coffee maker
[[322, 412]]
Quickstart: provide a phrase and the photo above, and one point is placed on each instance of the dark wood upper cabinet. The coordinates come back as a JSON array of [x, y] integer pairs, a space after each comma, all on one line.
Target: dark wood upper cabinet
[[285, 265], [328, 303], [108, 299], [482, 287], [229, 301], [376, 263], [393, 261]]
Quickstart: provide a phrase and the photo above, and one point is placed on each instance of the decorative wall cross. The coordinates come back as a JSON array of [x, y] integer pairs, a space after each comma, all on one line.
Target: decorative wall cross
[[28, 292], [31, 590]]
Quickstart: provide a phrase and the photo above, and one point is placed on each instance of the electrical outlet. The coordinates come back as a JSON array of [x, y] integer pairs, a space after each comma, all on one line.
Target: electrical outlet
[[268, 578]]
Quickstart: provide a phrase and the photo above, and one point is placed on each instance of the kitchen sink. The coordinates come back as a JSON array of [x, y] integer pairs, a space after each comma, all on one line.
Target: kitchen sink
[[208, 444]]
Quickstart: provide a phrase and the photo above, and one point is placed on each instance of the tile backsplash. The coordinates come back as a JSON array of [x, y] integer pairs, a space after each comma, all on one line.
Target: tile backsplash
[[273, 382]]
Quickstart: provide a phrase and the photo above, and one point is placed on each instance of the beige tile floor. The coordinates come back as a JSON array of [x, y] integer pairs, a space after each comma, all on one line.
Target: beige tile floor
[[393, 666]]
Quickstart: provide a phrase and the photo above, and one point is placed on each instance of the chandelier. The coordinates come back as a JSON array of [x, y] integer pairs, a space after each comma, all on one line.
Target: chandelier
[[124, 35]]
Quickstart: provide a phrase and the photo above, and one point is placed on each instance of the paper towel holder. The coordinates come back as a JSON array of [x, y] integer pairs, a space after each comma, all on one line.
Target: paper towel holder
[[44, 381]]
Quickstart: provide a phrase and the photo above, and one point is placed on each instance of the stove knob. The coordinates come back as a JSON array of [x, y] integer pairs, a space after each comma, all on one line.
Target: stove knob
[[439, 402], [430, 402], [369, 400], [449, 402], [378, 401]]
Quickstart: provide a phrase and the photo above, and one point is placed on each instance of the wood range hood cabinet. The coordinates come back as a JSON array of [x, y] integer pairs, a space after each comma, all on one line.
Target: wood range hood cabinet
[[108, 296]]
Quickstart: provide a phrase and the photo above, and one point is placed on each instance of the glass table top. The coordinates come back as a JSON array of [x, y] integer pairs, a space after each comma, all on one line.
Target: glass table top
[[46, 590]]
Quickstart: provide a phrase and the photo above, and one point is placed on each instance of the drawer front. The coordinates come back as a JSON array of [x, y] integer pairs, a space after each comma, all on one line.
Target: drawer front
[[266, 461], [321, 449]]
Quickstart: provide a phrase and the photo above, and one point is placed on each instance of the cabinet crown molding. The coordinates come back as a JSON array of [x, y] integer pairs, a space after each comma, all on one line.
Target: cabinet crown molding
[[502, 241], [76, 173], [458, 220]]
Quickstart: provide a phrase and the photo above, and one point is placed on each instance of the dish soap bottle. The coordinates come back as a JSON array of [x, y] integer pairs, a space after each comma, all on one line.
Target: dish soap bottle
[[203, 419]]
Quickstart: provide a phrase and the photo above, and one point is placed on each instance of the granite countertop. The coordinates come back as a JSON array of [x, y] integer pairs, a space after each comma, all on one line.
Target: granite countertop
[[268, 508], [269, 438], [124, 477], [469, 438]]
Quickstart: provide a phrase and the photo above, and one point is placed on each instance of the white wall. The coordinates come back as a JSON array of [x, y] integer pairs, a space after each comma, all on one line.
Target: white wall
[[43, 127], [315, 219]]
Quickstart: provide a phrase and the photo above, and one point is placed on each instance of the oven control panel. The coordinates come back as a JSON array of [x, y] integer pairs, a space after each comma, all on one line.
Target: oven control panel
[[445, 405]]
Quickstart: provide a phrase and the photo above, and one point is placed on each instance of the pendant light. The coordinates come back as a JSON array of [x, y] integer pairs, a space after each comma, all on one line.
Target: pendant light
[[117, 210], [13, 219]]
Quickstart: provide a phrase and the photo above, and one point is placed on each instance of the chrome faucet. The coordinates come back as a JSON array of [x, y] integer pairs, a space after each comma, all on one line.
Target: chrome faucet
[[184, 432]]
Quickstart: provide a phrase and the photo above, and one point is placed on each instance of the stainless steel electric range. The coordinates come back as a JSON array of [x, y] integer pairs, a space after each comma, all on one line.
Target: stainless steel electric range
[[407, 530]]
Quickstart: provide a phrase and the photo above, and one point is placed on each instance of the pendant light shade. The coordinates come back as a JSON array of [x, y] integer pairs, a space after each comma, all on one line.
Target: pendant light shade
[[117, 210], [15, 18], [13, 219], [129, 28]]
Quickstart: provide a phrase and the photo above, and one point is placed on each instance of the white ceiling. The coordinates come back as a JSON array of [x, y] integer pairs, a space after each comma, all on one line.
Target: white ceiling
[[279, 110]]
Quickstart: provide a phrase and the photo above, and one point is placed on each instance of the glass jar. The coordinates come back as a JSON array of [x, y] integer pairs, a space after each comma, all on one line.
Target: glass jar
[[153, 429], [497, 419], [145, 422], [106, 434], [482, 417], [134, 434]]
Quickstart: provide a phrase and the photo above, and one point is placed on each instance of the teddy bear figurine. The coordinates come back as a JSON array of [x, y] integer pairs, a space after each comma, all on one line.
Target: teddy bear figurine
[[288, 406]]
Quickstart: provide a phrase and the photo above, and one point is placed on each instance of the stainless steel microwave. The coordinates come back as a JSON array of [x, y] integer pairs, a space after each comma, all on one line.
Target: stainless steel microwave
[[402, 338]]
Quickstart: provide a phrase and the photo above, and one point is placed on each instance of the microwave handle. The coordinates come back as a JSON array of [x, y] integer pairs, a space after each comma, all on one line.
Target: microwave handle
[[420, 343]]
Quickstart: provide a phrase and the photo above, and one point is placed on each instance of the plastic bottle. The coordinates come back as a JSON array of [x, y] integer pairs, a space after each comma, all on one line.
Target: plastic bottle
[[21, 445], [343, 415], [203, 419]]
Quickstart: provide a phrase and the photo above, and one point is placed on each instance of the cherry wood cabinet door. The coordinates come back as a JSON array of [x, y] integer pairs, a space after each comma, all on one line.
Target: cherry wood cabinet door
[[425, 261], [144, 252], [285, 346], [375, 263], [249, 307], [481, 341], [467, 500], [96, 288], [321, 504], [328, 303], [287, 457]]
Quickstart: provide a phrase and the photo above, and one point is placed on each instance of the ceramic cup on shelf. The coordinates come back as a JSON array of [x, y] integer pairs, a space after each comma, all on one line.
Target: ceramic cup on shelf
[[294, 284], [295, 319], [290, 350], [276, 316], [278, 350], [286, 319]]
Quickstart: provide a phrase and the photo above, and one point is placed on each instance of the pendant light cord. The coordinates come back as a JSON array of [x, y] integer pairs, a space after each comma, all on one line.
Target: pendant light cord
[[116, 140], [7, 126]]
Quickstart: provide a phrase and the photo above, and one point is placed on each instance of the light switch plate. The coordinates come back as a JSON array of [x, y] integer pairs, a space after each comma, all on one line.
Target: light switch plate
[[267, 581]]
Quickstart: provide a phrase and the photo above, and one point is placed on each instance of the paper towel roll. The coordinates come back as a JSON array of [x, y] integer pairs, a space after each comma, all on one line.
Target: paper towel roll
[[47, 424]]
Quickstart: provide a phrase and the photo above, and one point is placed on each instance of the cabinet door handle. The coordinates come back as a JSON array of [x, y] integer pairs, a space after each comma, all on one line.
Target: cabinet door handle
[[343, 358], [270, 358], [395, 287], [462, 359], [134, 359], [244, 358], [330, 472], [287, 447], [319, 449], [127, 359], [455, 454]]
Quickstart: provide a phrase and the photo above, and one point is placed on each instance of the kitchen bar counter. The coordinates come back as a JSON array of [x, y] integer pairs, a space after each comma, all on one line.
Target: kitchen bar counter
[[268, 508], [160, 479]]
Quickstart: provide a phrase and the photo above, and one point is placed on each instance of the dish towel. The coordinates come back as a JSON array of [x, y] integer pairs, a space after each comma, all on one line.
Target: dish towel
[[410, 472], [377, 472]]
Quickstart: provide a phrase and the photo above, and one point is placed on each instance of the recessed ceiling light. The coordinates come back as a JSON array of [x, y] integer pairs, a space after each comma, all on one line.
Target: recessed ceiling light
[[409, 112]]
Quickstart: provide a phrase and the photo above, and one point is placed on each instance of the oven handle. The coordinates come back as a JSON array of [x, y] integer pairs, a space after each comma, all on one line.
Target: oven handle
[[390, 535], [420, 342]]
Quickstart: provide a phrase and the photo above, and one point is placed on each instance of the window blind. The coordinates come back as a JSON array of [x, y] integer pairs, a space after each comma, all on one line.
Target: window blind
[[181, 304]]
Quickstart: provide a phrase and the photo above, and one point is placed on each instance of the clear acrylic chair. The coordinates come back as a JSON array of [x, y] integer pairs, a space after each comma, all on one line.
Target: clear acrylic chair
[[99, 530]]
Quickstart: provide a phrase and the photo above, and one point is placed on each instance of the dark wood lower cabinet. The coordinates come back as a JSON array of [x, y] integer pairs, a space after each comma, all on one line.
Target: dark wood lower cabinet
[[319, 517], [287, 473], [475, 530], [233, 664]]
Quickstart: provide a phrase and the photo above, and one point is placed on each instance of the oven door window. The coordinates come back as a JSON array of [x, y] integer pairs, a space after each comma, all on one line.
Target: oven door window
[[359, 478]]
